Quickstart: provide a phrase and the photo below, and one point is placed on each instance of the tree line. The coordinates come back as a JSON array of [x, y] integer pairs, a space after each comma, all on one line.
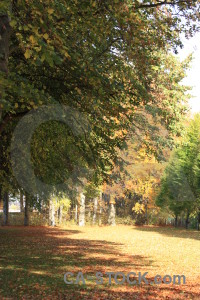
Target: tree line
[[180, 184], [86, 76]]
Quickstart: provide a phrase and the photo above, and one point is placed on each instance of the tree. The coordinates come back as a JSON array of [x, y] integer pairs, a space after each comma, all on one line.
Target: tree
[[26, 209], [175, 191], [5, 31], [82, 210], [180, 183], [5, 208], [101, 58], [135, 181], [21, 202], [111, 213]]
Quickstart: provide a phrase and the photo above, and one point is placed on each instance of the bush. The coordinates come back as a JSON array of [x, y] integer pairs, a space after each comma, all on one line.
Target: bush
[[125, 221]]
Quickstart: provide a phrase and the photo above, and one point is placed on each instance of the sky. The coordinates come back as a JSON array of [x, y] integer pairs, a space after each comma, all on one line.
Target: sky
[[193, 78]]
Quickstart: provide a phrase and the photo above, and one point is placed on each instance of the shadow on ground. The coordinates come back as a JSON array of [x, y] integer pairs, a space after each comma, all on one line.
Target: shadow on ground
[[170, 231], [33, 262]]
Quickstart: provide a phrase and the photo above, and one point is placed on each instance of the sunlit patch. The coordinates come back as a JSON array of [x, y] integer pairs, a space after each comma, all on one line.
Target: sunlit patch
[[36, 265], [38, 272]]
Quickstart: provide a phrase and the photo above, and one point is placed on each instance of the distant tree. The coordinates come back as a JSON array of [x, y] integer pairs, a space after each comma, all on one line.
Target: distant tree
[[180, 185]]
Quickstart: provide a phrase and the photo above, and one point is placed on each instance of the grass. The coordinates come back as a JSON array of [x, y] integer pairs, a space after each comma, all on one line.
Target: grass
[[33, 261]]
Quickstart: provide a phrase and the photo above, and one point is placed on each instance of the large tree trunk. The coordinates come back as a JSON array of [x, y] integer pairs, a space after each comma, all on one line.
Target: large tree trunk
[[51, 213], [21, 202], [5, 208], [198, 220], [82, 210], [5, 31], [26, 211], [182, 221], [176, 221], [95, 210], [70, 211], [111, 218], [60, 213], [1, 198], [187, 220], [100, 215], [89, 210], [100, 208], [76, 213], [146, 214]]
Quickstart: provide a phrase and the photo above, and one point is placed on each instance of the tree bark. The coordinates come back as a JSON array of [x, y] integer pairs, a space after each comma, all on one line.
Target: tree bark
[[82, 210], [89, 210], [1, 198], [51, 213], [26, 211], [182, 221], [198, 220], [146, 214], [5, 31], [111, 218], [76, 213], [100, 209], [60, 213], [187, 220], [95, 210], [21, 202], [176, 221], [5, 208]]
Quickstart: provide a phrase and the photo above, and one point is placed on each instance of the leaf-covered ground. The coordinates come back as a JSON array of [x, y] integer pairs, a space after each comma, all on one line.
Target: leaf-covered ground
[[33, 261]]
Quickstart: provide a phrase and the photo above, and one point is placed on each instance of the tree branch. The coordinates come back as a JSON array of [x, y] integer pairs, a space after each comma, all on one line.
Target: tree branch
[[160, 3], [8, 117]]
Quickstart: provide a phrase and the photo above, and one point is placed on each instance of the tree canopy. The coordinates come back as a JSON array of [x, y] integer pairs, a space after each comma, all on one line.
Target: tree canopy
[[180, 185], [107, 60]]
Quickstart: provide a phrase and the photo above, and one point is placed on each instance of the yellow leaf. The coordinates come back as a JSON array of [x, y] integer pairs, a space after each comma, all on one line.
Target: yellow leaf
[[16, 105], [79, 91], [46, 36], [38, 49], [50, 11], [42, 57], [67, 54], [32, 39], [28, 53], [13, 23]]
